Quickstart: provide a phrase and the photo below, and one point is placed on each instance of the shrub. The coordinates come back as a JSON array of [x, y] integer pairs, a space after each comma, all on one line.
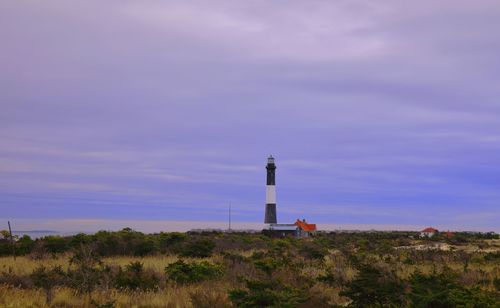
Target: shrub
[[184, 273], [80, 239], [209, 299], [47, 279], [267, 294], [492, 256], [54, 244], [170, 241], [15, 280], [496, 283], [108, 304], [232, 257], [144, 247], [270, 261], [475, 297], [88, 269], [374, 287], [201, 248], [108, 243], [442, 290], [267, 264], [431, 290], [335, 276], [24, 245], [313, 251], [135, 277]]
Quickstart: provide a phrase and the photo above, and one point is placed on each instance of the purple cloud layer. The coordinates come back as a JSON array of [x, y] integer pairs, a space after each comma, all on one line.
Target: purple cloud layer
[[378, 113]]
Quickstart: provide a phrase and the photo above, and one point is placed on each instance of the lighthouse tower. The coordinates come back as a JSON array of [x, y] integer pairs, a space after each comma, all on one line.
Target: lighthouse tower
[[270, 217]]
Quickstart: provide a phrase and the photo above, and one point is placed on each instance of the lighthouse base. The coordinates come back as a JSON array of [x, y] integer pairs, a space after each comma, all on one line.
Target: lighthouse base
[[270, 217]]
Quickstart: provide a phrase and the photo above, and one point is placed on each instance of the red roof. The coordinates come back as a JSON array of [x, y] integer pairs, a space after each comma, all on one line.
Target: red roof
[[430, 230], [305, 226]]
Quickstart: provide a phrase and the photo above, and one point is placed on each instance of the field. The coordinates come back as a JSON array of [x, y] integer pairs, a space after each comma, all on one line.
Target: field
[[214, 269]]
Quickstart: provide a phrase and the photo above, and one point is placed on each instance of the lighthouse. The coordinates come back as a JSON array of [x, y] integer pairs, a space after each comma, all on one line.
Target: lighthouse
[[298, 229], [270, 217]]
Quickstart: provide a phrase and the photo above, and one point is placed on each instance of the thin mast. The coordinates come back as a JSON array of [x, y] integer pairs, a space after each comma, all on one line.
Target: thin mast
[[12, 241], [229, 215]]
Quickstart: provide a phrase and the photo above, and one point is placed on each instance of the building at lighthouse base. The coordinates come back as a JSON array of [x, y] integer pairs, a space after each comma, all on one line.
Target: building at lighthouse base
[[298, 229]]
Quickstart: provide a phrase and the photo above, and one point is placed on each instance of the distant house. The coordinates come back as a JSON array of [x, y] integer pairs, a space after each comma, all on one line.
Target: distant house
[[428, 232]]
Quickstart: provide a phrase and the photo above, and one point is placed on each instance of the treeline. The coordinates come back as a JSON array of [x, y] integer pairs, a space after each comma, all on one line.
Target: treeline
[[458, 238], [128, 242]]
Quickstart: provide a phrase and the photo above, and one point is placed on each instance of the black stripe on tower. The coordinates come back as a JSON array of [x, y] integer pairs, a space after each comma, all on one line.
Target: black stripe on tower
[[270, 217], [271, 174]]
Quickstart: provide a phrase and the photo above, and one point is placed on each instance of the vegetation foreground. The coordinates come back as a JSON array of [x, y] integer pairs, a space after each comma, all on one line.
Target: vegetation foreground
[[212, 269]]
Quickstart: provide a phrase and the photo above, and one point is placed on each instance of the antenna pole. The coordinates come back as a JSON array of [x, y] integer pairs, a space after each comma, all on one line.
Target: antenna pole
[[229, 216], [12, 241]]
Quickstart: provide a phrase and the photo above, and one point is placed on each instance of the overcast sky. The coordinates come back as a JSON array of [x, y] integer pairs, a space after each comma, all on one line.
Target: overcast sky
[[378, 112]]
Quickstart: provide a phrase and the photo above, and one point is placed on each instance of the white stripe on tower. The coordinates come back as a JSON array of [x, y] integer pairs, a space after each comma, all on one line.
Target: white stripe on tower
[[270, 194]]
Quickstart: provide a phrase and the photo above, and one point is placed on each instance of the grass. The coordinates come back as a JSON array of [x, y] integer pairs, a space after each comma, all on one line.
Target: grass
[[156, 263], [173, 296], [323, 277], [65, 297], [25, 265]]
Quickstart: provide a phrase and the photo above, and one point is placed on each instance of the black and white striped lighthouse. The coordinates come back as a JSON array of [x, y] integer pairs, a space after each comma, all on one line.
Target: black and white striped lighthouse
[[270, 217]]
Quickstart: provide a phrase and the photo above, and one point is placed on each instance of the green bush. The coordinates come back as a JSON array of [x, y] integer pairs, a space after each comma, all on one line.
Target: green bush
[[108, 304], [496, 283], [170, 241], [373, 287], [144, 247], [204, 299], [47, 279], [86, 269], [313, 251], [492, 256], [270, 261], [184, 273], [443, 290], [334, 276], [79, 239], [267, 264], [55, 244], [200, 248], [135, 277], [24, 245], [267, 294]]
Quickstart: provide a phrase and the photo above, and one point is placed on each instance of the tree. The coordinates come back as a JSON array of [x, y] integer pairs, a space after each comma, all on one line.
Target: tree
[[135, 277], [184, 273], [86, 275], [443, 290], [272, 293], [201, 248], [54, 244], [47, 279], [373, 287], [5, 234], [24, 245]]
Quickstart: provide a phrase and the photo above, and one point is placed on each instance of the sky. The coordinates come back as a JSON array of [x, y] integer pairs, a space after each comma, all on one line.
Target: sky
[[380, 114]]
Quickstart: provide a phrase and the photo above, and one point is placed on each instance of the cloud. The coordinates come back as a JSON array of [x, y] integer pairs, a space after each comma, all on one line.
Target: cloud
[[170, 108]]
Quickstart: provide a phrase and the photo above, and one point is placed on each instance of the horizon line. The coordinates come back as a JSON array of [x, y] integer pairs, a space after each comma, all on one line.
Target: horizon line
[[158, 225]]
